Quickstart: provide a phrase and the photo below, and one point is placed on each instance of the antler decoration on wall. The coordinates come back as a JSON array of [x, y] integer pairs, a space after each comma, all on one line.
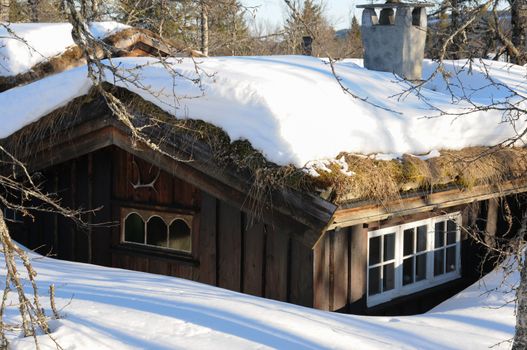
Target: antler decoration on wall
[[138, 184]]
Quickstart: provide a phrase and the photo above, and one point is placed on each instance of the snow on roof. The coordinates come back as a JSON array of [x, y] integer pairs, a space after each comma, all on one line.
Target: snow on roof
[[108, 308], [23, 45], [292, 109]]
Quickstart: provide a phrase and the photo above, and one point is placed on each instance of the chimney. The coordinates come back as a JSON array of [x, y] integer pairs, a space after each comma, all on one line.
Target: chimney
[[395, 41], [307, 46]]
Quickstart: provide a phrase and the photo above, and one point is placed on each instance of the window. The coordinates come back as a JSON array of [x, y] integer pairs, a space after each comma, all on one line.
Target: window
[[11, 215], [407, 258], [157, 229]]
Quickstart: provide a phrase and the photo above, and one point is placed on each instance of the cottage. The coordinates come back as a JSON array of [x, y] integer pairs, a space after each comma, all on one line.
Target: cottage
[[272, 180]]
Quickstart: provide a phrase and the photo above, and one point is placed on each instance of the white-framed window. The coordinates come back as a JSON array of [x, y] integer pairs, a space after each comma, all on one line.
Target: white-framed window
[[411, 257], [159, 229]]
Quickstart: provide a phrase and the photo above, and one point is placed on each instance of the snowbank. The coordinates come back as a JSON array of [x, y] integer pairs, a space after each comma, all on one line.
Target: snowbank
[[106, 308], [292, 109], [23, 45]]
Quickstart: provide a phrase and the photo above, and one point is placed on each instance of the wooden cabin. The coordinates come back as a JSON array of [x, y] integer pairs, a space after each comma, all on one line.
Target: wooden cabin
[[192, 220], [178, 211]]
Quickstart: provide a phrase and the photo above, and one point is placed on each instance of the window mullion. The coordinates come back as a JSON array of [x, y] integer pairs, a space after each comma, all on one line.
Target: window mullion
[[168, 234], [430, 249], [146, 231], [381, 272], [414, 258], [458, 245], [398, 259]]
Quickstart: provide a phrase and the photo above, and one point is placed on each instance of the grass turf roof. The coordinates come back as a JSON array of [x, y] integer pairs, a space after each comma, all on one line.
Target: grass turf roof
[[372, 179]]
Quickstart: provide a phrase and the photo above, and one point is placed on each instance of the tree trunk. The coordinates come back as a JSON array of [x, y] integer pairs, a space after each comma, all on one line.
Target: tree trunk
[[33, 10], [520, 337], [94, 15], [204, 29], [518, 25], [4, 10], [457, 41]]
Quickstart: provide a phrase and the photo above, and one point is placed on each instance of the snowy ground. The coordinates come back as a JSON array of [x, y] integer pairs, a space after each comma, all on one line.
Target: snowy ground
[[107, 308]]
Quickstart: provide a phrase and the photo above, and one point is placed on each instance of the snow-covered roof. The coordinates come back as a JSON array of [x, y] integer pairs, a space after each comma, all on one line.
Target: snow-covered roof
[[292, 109], [23, 45], [108, 308]]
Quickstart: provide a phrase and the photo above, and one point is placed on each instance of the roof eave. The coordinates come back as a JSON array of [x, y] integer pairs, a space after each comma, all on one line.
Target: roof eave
[[365, 211]]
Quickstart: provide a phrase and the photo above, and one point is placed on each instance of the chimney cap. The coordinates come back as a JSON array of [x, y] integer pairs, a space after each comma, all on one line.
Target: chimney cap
[[395, 5]]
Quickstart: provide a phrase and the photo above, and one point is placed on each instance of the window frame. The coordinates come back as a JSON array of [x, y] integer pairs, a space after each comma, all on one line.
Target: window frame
[[14, 218], [430, 280], [168, 217]]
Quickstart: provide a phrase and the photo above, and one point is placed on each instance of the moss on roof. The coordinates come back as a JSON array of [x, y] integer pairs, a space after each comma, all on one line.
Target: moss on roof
[[371, 179]]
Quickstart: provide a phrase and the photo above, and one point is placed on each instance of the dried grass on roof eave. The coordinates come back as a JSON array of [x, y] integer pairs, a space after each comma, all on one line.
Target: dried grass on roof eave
[[173, 135], [373, 179], [382, 181]]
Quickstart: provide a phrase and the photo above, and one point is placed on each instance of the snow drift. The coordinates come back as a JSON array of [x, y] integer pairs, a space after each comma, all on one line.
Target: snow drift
[[292, 109], [108, 308], [23, 45]]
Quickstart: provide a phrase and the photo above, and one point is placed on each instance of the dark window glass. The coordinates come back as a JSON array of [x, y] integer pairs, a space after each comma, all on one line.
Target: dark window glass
[[374, 278], [9, 214], [408, 271], [375, 250], [440, 234], [421, 238], [134, 229], [156, 230], [408, 244], [388, 274], [450, 259], [439, 261], [389, 246], [179, 236], [451, 232], [420, 267]]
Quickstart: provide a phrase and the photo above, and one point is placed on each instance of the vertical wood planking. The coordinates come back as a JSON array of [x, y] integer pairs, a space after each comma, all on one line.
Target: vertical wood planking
[[276, 267], [492, 221], [181, 271], [164, 194], [168, 189], [101, 195], [121, 261], [253, 267], [120, 176], [301, 277], [207, 241], [340, 269], [82, 188], [64, 224], [73, 205], [138, 263], [358, 266], [229, 247], [321, 274], [157, 266], [45, 229]]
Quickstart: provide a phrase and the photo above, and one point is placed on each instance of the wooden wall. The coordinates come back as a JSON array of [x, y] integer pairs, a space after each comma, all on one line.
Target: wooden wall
[[340, 267], [231, 249]]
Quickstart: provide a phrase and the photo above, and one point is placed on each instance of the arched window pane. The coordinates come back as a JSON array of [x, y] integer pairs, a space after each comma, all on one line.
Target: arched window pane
[[156, 232], [180, 238], [134, 229]]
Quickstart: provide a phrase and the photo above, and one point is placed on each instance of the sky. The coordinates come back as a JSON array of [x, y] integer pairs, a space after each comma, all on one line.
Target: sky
[[273, 11]]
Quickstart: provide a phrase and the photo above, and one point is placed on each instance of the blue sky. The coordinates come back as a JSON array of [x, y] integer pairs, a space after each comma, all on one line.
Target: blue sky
[[273, 11]]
